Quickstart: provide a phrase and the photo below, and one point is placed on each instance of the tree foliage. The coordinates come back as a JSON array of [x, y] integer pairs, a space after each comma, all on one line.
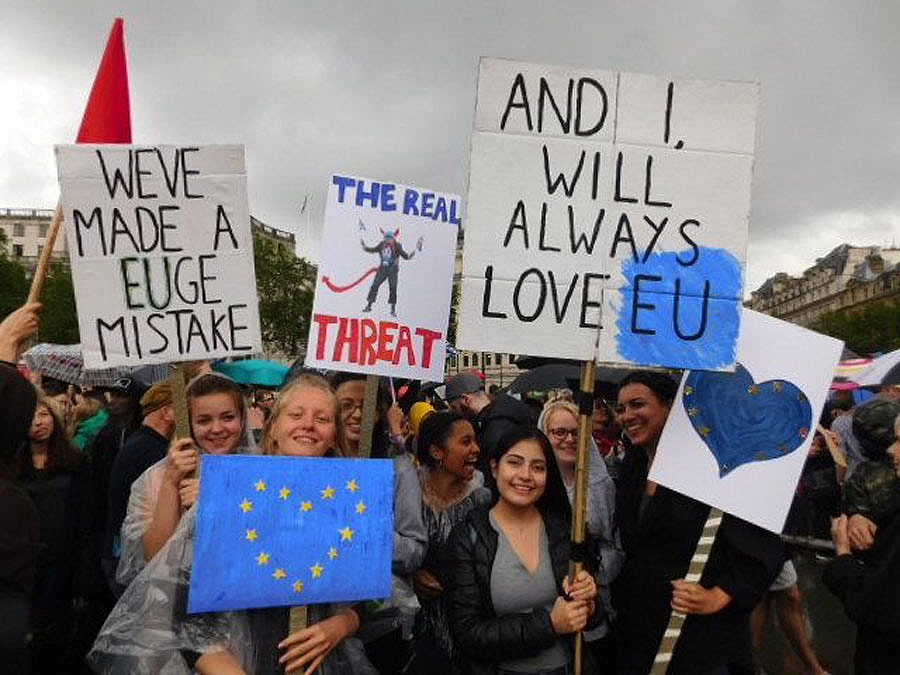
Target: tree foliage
[[13, 281], [875, 328], [59, 319], [285, 285]]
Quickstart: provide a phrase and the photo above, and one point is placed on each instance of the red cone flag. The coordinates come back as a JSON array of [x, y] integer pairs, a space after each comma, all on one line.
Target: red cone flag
[[107, 116]]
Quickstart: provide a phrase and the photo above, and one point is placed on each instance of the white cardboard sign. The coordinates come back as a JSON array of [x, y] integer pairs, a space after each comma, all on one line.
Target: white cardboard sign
[[593, 190], [382, 302], [738, 441], [161, 251]]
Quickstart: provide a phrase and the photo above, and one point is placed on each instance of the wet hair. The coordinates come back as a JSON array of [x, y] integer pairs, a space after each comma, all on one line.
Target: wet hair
[[435, 430], [555, 500], [61, 454], [267, 443], [662, 386]]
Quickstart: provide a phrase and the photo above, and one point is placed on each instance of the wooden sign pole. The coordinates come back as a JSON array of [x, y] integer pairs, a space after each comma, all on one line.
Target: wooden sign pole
[[582, 465], [40, 273], [369, 415], [695, 571], [179, 401]]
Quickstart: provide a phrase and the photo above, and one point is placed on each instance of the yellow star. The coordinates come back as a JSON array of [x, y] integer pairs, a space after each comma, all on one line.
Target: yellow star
[[306, 506], [260, 485], [284, 492], [692, 412], [246, 505], [332, 553], [704, 431], [352, 485], [688, 390], [777, 386], [251, 535], [279, 574], [328, 492], [316, 570], [753, 389], [346, 534], [361, 507], [262, 558], [298, 586]]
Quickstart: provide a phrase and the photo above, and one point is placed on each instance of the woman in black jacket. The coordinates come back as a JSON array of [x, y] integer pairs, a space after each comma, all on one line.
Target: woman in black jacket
[[510, 602], [660, 529]]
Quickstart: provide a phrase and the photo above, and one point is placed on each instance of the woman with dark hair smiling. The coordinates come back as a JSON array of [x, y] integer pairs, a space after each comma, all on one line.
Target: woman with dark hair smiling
[[451, 487], [510, 602], [660, 529]]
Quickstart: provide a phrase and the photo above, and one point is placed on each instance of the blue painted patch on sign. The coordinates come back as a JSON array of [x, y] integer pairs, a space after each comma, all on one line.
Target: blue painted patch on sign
[[276, 531], [681, 315], [743, 421]]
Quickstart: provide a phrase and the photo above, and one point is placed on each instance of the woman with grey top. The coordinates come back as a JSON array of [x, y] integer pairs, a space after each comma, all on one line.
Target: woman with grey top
[[451, 487], [512, 608]]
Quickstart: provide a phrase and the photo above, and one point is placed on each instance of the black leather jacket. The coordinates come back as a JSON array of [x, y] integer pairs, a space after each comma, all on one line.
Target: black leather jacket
[[481, 637]]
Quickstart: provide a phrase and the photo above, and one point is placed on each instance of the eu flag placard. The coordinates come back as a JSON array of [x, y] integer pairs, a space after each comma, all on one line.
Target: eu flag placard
[[291, 531]]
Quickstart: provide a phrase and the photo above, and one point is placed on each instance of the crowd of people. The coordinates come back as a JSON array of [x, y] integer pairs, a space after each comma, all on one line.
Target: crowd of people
[[97, 515]]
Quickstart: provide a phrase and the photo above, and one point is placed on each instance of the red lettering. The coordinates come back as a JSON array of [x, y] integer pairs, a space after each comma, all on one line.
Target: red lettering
[[385, 338], [428, 336], [348, 334], [404, 341], [367, 341], [324, 321]]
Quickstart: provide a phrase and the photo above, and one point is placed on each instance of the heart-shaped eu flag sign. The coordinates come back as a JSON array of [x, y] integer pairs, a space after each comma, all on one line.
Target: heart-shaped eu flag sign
[[743, 421]]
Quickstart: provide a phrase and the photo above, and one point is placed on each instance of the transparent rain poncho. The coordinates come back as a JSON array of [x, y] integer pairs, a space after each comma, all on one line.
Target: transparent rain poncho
[[149, 630]]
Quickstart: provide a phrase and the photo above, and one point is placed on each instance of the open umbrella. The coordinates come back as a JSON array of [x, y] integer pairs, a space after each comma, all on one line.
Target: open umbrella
[[259, 372], [64, 362], [565, 376], [883, 370]]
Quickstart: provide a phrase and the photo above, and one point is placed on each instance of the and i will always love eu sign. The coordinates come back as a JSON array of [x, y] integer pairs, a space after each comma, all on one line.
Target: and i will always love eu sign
[[592, 190]]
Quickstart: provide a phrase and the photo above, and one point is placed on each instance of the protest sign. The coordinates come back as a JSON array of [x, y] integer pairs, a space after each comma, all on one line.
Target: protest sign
[[285, 530], [382, 302], [593, 189], [738, 441], [161, 251]]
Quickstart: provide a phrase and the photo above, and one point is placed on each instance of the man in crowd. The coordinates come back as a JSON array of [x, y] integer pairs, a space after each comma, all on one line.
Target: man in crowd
[[144, 447]]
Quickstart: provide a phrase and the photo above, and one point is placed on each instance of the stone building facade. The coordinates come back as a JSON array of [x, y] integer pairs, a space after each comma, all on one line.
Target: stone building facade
[[26, 233], [846, 279]]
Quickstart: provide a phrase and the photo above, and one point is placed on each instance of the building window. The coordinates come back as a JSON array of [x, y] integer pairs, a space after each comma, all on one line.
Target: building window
[[40, 249], [465, 360], [17, 250], [487, 359], [499, 360], [42, 228], [474, 359], [18, 230]]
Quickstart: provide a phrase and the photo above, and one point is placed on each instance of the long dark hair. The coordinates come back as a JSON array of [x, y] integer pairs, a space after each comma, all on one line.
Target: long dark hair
[[435, 430], [555, 500], [662, 386], [61, 454]]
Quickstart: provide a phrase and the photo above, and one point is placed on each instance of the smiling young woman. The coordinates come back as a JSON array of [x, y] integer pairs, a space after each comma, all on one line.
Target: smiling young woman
[[660, 529], [511, 605], [451, 487], [159, 497]]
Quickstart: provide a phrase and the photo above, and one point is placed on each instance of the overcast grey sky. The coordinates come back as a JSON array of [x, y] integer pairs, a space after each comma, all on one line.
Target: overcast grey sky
[[386, 89]]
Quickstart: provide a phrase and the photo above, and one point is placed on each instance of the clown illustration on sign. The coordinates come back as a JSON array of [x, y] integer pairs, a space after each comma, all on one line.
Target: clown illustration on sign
[[390, 250]]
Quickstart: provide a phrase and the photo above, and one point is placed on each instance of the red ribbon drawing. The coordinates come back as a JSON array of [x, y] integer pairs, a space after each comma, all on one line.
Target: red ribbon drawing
[[340, 289]]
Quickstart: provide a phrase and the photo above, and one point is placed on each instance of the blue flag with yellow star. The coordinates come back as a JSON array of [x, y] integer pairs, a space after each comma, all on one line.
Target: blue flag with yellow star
[[276, 531]]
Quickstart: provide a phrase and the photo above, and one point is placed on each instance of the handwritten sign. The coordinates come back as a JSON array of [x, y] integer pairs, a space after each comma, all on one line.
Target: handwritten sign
[[382, 302], [161, 252], [593, 190]]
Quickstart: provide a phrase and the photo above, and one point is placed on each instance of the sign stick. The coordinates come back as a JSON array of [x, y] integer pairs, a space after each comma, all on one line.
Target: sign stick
[[579, 506], [369, 413], [695, 571], [37, 281], [179, 401]]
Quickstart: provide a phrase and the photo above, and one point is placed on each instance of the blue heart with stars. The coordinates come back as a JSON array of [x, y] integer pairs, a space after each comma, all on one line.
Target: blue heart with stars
[[742, 421]]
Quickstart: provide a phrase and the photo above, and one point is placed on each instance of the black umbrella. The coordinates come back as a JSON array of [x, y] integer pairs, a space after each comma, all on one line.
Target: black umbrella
[[566, 376]]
